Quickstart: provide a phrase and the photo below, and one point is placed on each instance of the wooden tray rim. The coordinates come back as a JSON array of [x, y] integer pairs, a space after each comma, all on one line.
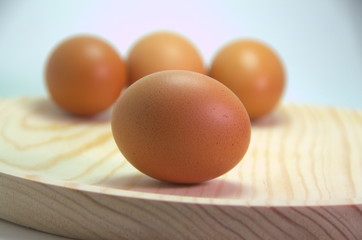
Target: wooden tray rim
[[123, 193]]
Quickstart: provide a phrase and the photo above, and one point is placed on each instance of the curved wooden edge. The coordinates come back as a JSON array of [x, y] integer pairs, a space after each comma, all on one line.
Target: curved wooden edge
[[149, 196], [90, 215]]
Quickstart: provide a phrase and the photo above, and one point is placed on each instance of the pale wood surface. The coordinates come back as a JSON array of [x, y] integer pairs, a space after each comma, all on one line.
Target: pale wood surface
[[301, 179]]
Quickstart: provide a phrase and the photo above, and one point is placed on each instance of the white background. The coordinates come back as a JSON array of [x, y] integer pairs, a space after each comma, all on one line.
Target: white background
[[320, 42]]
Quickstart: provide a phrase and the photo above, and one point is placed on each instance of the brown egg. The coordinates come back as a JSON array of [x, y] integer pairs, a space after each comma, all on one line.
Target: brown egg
[[162, 51], [253, 72], [85, 75], [181, 126]]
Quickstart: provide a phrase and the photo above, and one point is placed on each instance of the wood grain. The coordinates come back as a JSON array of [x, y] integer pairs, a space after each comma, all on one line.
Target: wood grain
[[300, 179]]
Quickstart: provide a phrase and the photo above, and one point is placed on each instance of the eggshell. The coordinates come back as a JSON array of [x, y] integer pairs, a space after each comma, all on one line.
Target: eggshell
[[254, 72], [85, 75], [181, 126], [162, 51]]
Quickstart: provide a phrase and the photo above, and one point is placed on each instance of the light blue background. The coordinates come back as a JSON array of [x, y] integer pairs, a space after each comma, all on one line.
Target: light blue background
[[320, 42]]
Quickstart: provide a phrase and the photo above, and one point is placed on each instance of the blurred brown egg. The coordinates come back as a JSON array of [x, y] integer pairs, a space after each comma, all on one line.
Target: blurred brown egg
[[162, 51], [181, 126], [253, 72], [85, 75]]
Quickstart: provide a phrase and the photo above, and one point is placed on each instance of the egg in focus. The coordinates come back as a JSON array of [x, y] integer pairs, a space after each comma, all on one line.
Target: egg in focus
[[85, 75], [254, 72], [160, 51], [181, 127]]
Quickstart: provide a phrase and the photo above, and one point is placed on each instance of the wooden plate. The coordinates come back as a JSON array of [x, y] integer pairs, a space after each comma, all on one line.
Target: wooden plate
[[301, 179]]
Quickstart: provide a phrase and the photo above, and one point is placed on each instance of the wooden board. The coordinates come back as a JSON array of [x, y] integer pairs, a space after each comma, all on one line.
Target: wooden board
[[300, 179]]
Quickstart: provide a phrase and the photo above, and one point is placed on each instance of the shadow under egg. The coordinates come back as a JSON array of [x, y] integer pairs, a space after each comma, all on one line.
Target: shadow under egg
[[276, 118], [216, 188], [47, 109]]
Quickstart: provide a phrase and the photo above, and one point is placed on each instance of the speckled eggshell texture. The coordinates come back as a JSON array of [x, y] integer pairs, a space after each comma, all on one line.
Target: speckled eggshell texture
[[181, 126]]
